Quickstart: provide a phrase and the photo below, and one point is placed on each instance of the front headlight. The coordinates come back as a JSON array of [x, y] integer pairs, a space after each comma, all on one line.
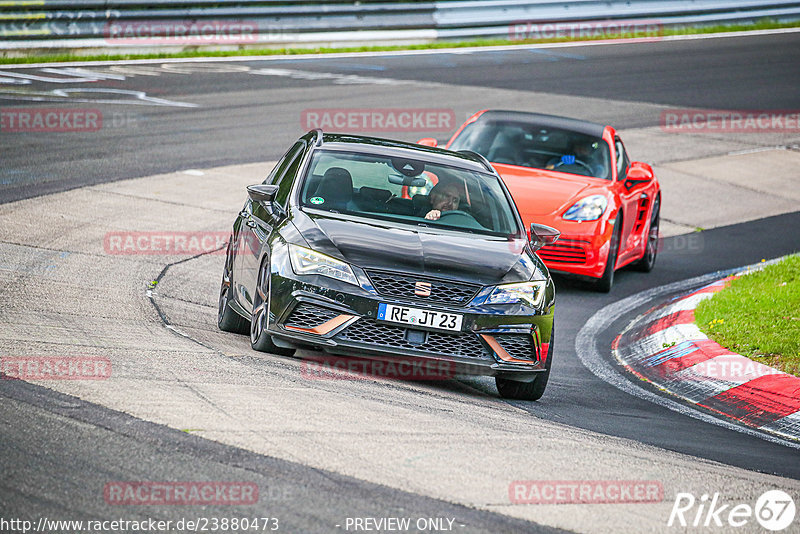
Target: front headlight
[[587, 209], [306, 261], [530, 292]]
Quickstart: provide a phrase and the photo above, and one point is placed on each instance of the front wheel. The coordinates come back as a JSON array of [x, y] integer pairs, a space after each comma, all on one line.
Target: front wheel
[[511, 389], [260, 340], [604, 283]]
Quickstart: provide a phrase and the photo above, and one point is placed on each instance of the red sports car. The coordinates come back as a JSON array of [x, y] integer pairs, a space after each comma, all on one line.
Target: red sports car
[[575, 176]]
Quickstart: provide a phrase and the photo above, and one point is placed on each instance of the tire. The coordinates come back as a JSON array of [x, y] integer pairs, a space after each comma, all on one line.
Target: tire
[[227, 319], [648, 261], [604, 283], [259, 339], [532, 391]]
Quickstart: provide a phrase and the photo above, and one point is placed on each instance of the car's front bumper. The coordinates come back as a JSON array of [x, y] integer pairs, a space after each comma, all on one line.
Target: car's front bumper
[[340, 318], [582, 249]]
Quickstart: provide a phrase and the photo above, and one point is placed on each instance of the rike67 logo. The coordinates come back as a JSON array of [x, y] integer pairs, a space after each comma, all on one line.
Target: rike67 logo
[[774, 510]]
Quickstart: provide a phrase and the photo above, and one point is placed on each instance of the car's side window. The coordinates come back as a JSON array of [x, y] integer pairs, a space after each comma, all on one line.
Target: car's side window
[[286, 180], [622, 159], [280, 168], [286, 166]]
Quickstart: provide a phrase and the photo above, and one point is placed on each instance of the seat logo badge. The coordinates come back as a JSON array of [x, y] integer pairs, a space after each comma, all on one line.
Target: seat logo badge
[[422, 289]]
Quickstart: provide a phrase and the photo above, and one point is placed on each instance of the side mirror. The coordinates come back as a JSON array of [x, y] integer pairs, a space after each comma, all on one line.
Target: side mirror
[[542, 235], [638, 175], [262, 193], [428, 141]]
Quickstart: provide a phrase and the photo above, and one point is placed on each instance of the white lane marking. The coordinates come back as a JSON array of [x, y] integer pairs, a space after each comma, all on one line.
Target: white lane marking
[[336, 78], [589, 354], [133, 70], [139, 98], [457, 51], [78, 73], [194, 172], [14, 81], [213, 68], [66, 78]]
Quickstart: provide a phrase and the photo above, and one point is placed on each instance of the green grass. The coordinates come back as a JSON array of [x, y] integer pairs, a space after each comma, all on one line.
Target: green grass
[[758, 316], [761, 25]]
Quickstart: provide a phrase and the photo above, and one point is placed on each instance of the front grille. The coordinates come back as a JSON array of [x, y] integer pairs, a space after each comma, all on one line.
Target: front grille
[[563, 252], [307, 315], [519, 346], [403, 286], [465, 345]]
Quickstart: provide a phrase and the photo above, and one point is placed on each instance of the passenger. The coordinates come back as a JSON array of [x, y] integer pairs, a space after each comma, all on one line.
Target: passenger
[[443, 197]]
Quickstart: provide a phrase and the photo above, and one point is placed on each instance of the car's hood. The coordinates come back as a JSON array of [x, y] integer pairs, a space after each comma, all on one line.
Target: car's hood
[[375, 244], [540, 192]]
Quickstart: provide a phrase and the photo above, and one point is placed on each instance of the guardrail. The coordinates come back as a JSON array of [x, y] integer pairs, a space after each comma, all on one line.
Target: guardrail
[[120, 25]]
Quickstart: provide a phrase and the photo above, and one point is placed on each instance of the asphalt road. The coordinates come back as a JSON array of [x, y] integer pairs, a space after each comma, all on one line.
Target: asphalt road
[[242, 117]]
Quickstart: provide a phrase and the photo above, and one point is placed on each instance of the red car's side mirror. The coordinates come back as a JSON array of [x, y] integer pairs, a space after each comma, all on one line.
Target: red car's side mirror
[[638, 175], [542, 235], [428, 141]]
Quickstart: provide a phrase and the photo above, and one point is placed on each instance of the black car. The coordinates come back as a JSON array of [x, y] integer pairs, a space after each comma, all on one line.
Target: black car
[[334, 252]]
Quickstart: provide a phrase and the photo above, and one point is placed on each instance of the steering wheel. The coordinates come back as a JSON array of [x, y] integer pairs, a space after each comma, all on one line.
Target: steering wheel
[[576, 162], [460, 218]]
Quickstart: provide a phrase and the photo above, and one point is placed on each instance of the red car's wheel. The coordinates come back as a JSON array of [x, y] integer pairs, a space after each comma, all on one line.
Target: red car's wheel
[[605, 282], [648, 261]]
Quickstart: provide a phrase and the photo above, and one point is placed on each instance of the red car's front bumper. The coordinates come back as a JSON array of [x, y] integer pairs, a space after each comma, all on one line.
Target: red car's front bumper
[[582, 248]]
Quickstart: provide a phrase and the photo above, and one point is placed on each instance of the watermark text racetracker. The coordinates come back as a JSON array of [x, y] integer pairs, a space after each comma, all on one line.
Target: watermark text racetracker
[[578, 30], [585, 491], [55, 368], [167, 242], [379, 120], [62, 120], [181, 32], [355, 368], [180, 493], [715, 121]]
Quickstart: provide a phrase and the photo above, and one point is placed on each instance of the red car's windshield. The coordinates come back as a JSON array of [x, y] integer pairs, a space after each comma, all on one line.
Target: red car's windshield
[[539, 147]]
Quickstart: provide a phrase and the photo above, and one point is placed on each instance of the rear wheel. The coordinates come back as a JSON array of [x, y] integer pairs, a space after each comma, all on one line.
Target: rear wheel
[[260, 340], [227, 319], [511, 389], [605, 282], [648, 261]]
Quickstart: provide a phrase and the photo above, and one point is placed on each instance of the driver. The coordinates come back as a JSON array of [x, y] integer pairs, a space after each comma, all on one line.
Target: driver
[[584, 151], [443, 197]]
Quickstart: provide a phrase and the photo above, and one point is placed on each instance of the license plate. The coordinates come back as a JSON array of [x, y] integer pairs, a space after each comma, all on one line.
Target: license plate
[[416, 317]]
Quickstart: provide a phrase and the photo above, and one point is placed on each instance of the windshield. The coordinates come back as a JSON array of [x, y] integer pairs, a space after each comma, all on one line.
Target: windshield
[[540, 147], [409, 191]]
